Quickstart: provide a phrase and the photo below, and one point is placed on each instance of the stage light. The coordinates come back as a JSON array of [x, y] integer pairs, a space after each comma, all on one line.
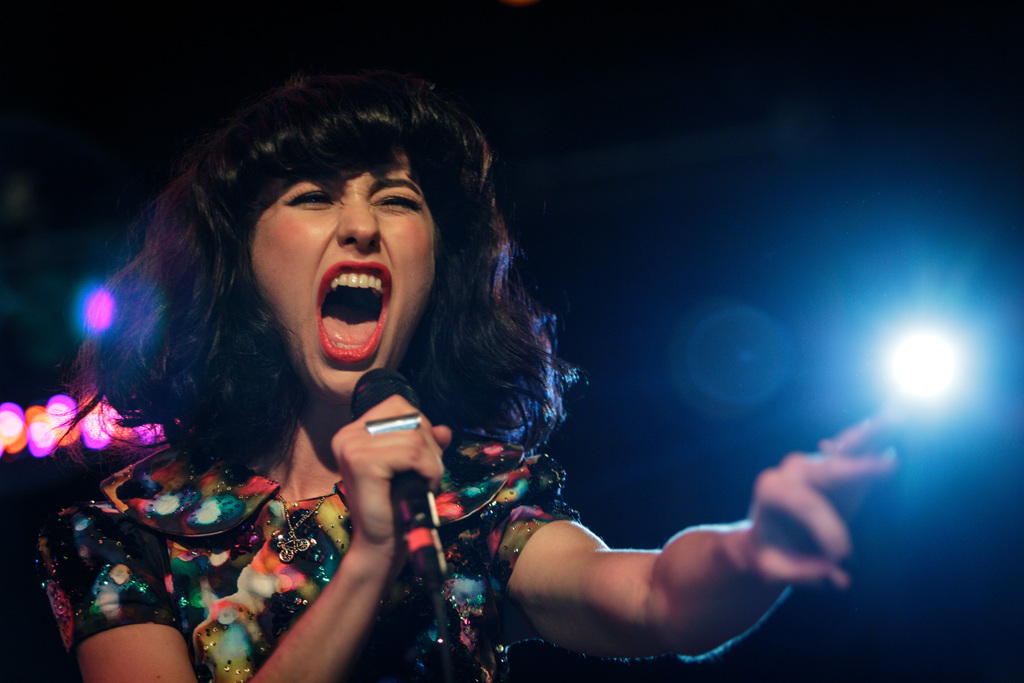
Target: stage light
[[924, 364], [929, 368]]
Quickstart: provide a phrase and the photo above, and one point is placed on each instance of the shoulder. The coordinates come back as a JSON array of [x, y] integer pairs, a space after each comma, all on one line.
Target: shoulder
[[83, 543], [83, 530], [100, 569], [81, 540], [175, 494], [486, 472]]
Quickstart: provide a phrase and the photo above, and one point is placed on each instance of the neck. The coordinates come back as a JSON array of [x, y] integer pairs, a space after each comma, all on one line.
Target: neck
[[309, 468]]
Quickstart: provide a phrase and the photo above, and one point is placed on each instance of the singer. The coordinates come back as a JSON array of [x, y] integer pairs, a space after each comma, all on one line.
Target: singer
[[337, 226]]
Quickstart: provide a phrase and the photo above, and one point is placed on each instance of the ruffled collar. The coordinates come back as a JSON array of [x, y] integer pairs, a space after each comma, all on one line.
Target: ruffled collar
[[174, 494]]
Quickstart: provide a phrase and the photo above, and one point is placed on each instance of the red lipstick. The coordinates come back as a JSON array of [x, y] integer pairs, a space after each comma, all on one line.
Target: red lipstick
[[353, 336]]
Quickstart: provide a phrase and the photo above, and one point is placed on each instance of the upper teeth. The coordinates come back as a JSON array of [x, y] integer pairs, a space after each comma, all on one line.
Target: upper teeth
[[357, 280]]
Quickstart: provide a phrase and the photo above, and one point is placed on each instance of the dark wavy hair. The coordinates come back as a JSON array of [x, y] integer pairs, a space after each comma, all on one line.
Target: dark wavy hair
[[196, 350]]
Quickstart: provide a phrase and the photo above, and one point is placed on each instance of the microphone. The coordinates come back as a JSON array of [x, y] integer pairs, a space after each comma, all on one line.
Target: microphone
[[413, 503], [411, 497]]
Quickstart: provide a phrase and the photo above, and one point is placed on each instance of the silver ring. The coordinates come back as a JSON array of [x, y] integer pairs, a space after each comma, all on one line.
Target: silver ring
[[394, 424]]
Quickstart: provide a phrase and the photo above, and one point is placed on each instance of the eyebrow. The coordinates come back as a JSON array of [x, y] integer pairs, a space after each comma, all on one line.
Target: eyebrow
[[388, 182]]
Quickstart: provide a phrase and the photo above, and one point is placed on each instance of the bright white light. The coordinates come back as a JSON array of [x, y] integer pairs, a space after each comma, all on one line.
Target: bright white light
[[924, 364]]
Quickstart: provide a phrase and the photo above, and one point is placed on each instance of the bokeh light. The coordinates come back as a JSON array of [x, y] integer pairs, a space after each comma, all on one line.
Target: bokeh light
[[148, 434], [97, 310], [12, 427], [39, 430], [61, 407], [97, 427]]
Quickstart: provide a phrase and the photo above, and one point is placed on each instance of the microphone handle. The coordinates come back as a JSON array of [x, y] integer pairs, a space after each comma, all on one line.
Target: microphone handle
[[413, 503]]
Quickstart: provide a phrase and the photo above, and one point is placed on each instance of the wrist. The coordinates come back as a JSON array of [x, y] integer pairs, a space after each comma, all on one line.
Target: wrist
[[738, 548], [373, 560], [742, 552]]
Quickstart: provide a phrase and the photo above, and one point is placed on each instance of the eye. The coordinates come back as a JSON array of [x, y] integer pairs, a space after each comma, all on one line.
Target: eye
[[401, 202], [310, 197]]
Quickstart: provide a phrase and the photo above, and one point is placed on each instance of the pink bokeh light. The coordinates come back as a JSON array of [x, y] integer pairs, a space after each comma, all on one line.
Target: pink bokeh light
[[12, 422], [98, 308], [98, 426]]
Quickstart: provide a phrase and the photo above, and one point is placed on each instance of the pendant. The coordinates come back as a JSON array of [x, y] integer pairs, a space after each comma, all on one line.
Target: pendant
[[289, 547]]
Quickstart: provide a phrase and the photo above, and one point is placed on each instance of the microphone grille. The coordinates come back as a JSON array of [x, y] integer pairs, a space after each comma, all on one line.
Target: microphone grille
[[377, 385]]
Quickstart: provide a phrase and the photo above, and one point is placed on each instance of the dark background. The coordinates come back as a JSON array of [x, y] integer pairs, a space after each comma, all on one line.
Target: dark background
[[729, 208]]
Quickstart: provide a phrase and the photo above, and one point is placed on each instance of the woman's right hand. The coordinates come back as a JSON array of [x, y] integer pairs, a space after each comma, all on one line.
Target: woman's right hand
[[368, 463]]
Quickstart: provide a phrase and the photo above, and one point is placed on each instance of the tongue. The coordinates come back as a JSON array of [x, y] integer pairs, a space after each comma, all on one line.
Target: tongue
[[347, 325]]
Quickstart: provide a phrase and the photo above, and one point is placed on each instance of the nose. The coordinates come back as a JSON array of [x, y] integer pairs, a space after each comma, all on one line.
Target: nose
[[358, 228]]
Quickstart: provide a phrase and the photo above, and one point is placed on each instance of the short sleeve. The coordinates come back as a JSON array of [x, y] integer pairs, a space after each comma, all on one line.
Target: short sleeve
[[101, 571], [531, 498]]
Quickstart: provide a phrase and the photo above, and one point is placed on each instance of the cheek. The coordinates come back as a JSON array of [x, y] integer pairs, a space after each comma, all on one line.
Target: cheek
[[429, 255], [273, 264], [267, 281], [428, 273], [415, 256], [420, 267]]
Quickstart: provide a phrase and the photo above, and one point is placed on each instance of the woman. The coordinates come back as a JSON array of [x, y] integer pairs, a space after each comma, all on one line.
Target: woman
[[338, 225]]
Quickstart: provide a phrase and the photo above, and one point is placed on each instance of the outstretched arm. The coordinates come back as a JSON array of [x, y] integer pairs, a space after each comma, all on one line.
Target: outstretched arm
[[708, 585]]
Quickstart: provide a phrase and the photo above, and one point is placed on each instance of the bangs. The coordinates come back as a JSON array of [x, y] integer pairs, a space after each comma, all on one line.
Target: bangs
[[326, 126]]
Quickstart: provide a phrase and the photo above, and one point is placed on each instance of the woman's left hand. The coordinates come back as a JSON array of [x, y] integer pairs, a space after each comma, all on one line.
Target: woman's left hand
[[798, 531]]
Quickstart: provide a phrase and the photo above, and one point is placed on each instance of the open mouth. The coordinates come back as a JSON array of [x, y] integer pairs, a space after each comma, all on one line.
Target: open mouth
[[353, 307]]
